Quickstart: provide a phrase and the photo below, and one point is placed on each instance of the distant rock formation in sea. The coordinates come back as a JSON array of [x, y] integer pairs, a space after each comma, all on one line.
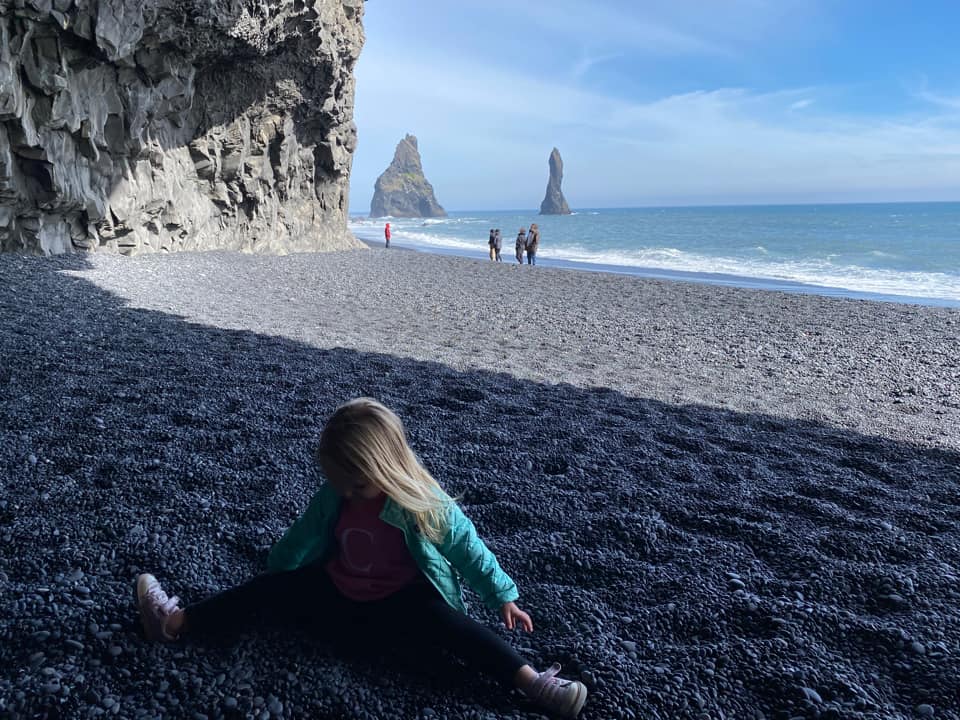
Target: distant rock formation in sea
[[554, 203], [402, 190], [152, 126]]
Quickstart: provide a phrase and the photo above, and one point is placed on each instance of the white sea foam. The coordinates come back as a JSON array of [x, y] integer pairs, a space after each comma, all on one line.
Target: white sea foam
[[440, 241], [848, 277]]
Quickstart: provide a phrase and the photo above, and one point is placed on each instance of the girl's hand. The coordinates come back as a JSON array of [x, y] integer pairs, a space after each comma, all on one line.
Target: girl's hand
[[513, 616]]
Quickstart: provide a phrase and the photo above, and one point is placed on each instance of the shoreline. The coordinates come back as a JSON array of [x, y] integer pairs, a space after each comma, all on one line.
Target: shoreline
[[720, 279]]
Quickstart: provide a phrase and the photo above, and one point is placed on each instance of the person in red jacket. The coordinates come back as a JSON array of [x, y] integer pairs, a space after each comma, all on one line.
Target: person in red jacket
[[386, 234]]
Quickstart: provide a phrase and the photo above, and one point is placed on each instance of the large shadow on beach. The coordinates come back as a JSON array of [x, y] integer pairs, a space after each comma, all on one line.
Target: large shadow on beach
[[685, 561]]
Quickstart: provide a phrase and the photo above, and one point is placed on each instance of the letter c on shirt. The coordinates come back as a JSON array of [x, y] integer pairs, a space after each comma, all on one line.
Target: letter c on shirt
[[349, 561]]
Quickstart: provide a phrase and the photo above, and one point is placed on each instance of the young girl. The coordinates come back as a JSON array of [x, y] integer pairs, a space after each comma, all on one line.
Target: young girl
[[376, 550]]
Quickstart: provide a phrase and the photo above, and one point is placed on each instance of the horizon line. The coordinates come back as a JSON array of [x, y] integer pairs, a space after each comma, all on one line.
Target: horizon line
[[690, 206]]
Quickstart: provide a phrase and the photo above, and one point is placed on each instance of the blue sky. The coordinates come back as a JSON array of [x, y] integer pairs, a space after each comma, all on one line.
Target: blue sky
[[663, 102]]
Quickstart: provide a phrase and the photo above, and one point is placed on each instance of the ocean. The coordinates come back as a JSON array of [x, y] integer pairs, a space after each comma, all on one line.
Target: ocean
[[901, 252]]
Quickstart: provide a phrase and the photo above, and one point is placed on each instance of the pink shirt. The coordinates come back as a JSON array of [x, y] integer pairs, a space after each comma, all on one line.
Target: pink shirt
[[372, 560]]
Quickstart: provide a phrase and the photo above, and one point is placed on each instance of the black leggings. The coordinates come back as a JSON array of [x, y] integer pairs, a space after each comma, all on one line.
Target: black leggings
[[417, 614]]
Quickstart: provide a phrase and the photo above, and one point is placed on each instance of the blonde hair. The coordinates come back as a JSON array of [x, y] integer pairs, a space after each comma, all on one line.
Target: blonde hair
[[365, 437]]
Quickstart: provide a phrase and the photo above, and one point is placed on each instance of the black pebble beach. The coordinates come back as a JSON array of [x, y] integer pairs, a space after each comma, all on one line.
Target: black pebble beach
[[717, 503]]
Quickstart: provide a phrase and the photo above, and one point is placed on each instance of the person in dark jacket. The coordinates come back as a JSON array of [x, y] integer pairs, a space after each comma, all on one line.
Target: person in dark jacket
[[498, 244], [492, 242], [533, 244], [521, 244]]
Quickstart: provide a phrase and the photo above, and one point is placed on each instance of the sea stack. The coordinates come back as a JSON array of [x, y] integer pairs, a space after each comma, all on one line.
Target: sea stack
[[553, 202], [402, 190]]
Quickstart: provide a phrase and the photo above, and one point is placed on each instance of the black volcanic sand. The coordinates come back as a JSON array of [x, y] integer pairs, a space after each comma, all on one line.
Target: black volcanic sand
[[717, 503]]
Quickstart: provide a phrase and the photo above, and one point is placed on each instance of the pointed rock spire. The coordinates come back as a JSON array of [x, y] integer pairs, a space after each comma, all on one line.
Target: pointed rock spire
[[553, 202]]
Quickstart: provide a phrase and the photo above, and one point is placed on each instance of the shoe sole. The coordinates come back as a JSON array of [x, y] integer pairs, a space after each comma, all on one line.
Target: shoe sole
[[580, 701]]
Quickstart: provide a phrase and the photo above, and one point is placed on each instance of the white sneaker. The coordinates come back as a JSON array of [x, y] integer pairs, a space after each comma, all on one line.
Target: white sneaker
[[564, 698], [155, 607]]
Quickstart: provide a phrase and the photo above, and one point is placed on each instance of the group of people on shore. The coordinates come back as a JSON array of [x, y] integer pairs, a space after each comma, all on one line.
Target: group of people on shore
[[527, 242]]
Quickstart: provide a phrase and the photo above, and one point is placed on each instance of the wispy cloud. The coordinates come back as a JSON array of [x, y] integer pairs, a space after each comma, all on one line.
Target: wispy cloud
[[801, 104], [945, 101], [587, 63], [601, 23]]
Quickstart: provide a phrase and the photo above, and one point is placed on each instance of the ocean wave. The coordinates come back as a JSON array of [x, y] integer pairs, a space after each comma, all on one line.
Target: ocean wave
[[944, 286], [440, 241]]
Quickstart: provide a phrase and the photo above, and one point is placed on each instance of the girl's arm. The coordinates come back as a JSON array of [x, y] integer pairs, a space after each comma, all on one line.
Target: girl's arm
[[301, 539], [467, 553]]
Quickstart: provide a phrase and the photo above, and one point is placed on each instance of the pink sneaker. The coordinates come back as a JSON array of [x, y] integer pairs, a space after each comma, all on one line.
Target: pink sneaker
[[564, 698], [155, 607]]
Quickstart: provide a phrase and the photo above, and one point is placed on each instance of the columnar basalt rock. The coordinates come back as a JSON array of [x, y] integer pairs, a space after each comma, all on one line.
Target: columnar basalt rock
[[161, 125], [402, 190], [553, 202]]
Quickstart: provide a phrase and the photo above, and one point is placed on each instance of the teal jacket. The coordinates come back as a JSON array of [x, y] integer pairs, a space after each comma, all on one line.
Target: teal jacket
[[462, 553]]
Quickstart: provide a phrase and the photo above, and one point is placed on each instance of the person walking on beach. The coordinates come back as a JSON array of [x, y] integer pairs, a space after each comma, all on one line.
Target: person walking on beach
[[498, 244], [492, 243], [377, 556], [386, 233], [533, 243], [521, 244]]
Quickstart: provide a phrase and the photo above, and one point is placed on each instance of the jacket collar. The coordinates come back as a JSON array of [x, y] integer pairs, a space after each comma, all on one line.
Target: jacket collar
[[393, 514]]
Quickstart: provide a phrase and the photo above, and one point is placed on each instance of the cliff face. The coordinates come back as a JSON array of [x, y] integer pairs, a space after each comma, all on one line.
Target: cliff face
[[402, 190], [554, 203], [146, 125]]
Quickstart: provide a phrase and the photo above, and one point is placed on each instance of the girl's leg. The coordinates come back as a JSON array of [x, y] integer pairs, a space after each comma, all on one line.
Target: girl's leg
[[299, 595], [420, 614]]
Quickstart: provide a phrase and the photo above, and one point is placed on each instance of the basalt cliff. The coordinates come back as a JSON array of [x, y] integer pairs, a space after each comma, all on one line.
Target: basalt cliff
[[402, 190], [554, 203], [162, 125]]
